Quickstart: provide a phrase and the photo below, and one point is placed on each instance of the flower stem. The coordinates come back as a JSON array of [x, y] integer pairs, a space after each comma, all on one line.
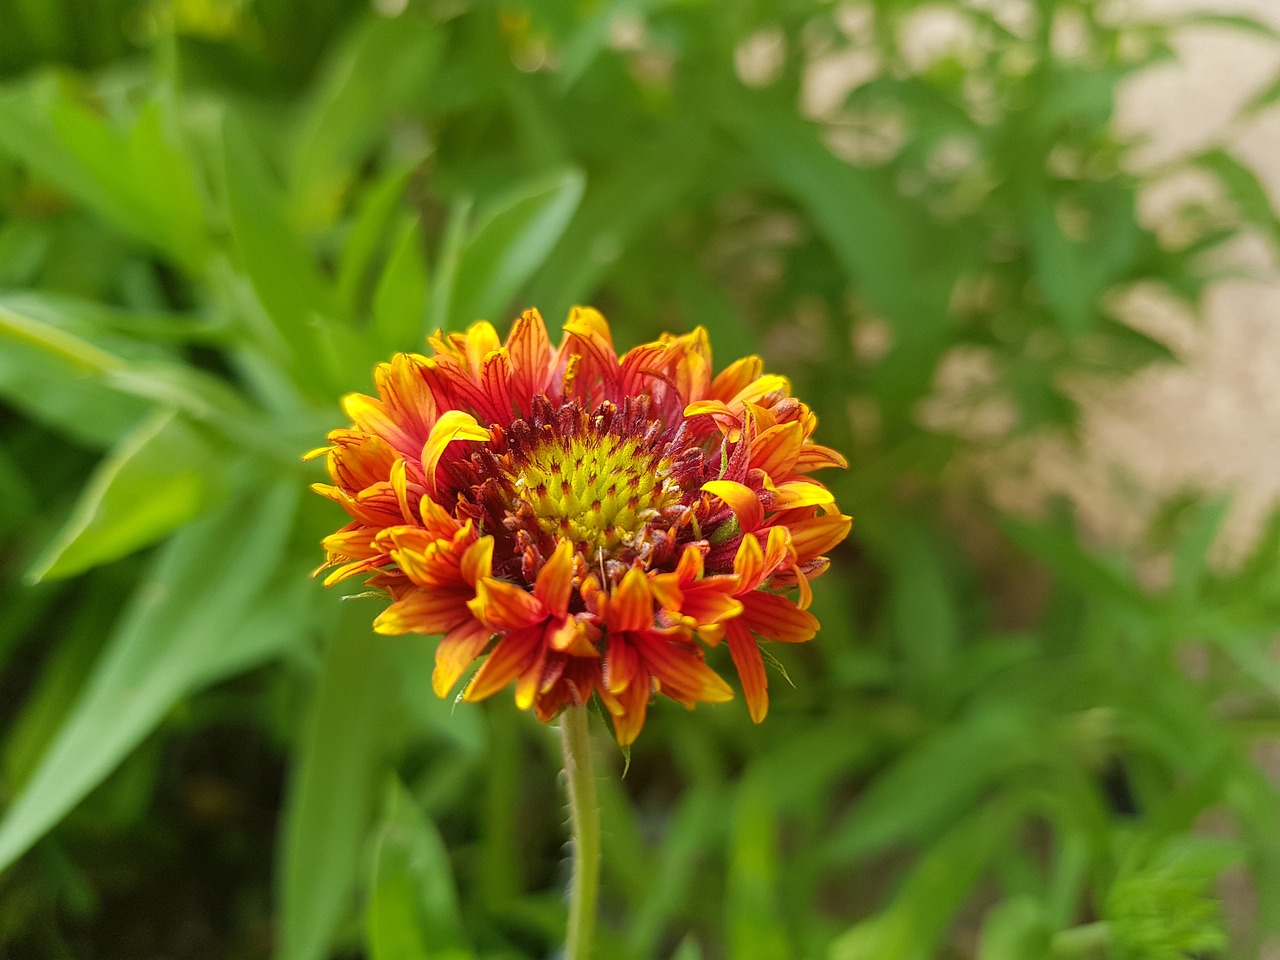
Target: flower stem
[[584, 818]]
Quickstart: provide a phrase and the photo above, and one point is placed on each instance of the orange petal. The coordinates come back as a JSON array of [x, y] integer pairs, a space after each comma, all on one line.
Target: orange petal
[[477, 562], [691, 565], [778, 618], [402, 387], [762, 387], [681, 671], [452, 425], [530, 352], [802, 493], [631, 603], [424, 611], [628, 710], [816, 535], [806, 591], [400, 484], [621, 664], [814, 457], [735, 378], [748, 564], [481, 340], [570, 636], [530, 679], [555, 581], [742, 500], [778, 549], [504, 606], [460, 646], [746, 657], [513, 655], [776, 449], [711, 601], [371, 416]]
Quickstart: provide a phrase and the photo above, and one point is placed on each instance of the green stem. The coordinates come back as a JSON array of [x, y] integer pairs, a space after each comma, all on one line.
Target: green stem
[[584, 818]]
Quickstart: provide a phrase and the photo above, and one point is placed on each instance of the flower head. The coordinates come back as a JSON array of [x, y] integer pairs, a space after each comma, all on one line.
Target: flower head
[[592, 522]]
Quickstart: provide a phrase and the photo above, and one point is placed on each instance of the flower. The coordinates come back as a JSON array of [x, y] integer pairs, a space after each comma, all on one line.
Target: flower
[[594, 522]]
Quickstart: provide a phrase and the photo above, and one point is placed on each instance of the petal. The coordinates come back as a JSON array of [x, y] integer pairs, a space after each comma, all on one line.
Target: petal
[[372, 416], [778, 618], [631, 603], [711, 601], [814, 457], [513, 655], [621, 663], [504, 606], [495, 387], [778, 550], [402, 387], [746, 657], [477, 562], [679, 667], [452, 425], [628, 710], [455, 653], [814, 536], [776, 449], [554, 585], [587, 336], [530, 352], [481, 340], [742, 500], [761, 388], [425, 611], [530, 680], [802, 493], [735, 378], [570, 636], [400, 484], [691, 565], [749, 562]]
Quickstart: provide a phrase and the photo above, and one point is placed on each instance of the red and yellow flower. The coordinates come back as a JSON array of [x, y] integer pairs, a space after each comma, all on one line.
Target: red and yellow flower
[[592, 522]]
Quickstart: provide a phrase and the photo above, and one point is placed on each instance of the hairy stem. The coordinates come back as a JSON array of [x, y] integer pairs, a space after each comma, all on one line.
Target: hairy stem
[[584, 819]]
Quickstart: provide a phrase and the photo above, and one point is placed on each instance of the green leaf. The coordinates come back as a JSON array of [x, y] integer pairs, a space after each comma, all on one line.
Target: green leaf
[[400, 300], [384, 70], [367, 235], [332, 787], [618, 206], [935, 782], [1016, 930], [297, 298], [1245, 190], [47, 386], [168, 643], [412, 913], [514, 237], [688, 950], [913, 924], [1227, 21], [925, 619], [447, 264], [1083, 570], [755, 927], [158, 478], [694, 828], [142, 180]]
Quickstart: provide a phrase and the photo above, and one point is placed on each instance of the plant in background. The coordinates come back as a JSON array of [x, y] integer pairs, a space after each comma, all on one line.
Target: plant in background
[[584, 518], [217, 220]]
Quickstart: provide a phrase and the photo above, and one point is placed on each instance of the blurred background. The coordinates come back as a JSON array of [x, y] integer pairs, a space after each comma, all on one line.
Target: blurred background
[[1018, 254]]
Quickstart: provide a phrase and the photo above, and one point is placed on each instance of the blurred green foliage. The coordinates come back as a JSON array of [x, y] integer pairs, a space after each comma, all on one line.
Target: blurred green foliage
[[217, 215]]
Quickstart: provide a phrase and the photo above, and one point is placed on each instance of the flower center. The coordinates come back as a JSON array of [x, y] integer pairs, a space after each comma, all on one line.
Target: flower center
[[617, 483], [599, 491]]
